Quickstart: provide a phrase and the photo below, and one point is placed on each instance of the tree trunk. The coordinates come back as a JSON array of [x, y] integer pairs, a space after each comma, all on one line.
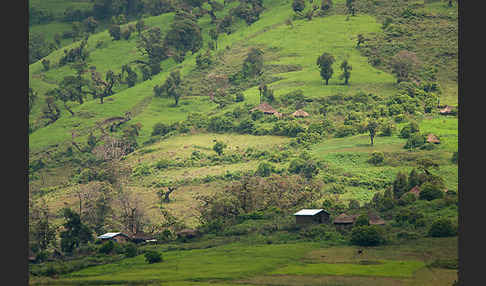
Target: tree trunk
[[327, 81], [101, 99], [372, 137]]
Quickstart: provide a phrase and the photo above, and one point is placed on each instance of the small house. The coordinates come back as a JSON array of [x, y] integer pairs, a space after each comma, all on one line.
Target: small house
[[344, 221], [187, 233], [306, 216], [300, 113], [115, 236], [265, 108], [375, 219], [141, 237], [415, 190], [446, 110]]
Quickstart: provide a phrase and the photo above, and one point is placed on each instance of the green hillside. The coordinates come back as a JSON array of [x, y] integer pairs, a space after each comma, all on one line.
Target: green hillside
[[103, 159]]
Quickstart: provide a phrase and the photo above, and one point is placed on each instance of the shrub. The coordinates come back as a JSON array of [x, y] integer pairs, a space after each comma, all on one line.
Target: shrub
[[141, 170], [377, 158], [409, 129], [361, 221], [239, 97], [430, 191], [455, 157], [442, 228], [115, 32], [107, 247], [160, 129], [130, 250], [415, 141], [264, 169], [407, 199], [367, 236], [125, 34], [153, 256], [46, 64], [219, 147]]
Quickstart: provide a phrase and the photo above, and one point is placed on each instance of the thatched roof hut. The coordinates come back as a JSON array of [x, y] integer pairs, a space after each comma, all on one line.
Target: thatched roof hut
[[345, 219], [300, 113], [415, 190], [431, 138], [278, 114], [265, 108]]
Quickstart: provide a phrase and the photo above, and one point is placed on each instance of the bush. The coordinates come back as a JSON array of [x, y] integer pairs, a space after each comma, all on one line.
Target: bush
[[153, 256], [415, 141], [367, 236], [130, 250], [377, 158], [160, 129], [431, 191], [407, 199], [409, 129], [46, 64], [239, 97], [107, 247], [442, 228], [264, 169], [361, 221]]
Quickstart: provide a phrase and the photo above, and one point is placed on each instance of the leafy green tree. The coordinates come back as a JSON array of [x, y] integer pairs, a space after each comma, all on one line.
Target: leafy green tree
[[38, 47], [442, 228], [224, 25], [362, 220], [253, 63], [430, 191], [115, 32], [372, 127], [184, 35], [50, 110], [264, 169], [326, 5], [219, 147], [172, 86], [160, 129], [150, 43], [367, 235], [90, 24], [409, 129], [298, 6], [377, 158], [213, 34], [140, 26], [103, 88], [400, 185], [346, 68], [414, 179], [75, 232], [153, 256], [324, 62]]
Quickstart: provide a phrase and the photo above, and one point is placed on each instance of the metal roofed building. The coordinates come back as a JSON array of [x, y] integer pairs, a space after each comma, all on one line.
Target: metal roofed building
[[306, 216], [116, 236]]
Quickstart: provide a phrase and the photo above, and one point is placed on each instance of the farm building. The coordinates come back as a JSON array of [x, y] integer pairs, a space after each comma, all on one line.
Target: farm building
[[265, 108], [300, 113], [446, 110], [141, 237], [431, 138], [306, 216], [415, 190], [344, 221], [115, 236]]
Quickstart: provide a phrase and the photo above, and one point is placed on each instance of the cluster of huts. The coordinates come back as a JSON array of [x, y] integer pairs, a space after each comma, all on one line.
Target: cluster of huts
[[342, 221], [268, 109]]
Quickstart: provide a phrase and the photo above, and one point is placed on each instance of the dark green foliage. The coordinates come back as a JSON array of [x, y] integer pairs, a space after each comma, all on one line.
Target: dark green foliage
[[353, 204], [115, 32], [150, 43], [253, 64], [130, 250], [248, 13], [415, 141], [184, 35], [172, 86], [442, 228], [224, 25], [256, 115], [125, 34], [346, 68], [287, 128], [361, 220], [203, 61], [308, 168], [377, 158], [90, 25], [326, 5], [76, 54], [430, 191], [409, 129], [324, 62], [107, 247], [153, 256], [157, 7], [239, 97], [75, 232], [46, 64], [160, 129], [264, 169], [39, 16], [246, 126], [400, 185], [367, 236], [455, 157], [38, 47], [372, 127], [414, 179], [298, 6], [407, 199], [218, 147], [220, 124]]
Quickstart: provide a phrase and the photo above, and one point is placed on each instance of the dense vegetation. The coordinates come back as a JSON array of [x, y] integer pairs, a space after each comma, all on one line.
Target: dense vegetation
[[226, 117]]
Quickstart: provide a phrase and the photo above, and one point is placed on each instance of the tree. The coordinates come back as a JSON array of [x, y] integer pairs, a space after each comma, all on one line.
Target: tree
[[253, 63], [264, 169], [150, 43], [90, 24], [400, 185], [346, 68], [103, 88], [362, 220], [42, 232], [372, 127], [351, 8], [442, 228], [430, 191], [361, 39], [367, 235], [115, 32], [213, 34], [404, 64], [131, 78], [414, 179], [75, 232], [326, 5], [184, 35], [218, 147], [324, 62], [298, 6], [153, 256], [140, 26], [50, 110], [172, 86]]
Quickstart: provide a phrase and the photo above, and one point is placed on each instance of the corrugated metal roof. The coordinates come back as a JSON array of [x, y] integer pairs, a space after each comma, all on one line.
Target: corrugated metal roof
[[309, 212], [109, 235]]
